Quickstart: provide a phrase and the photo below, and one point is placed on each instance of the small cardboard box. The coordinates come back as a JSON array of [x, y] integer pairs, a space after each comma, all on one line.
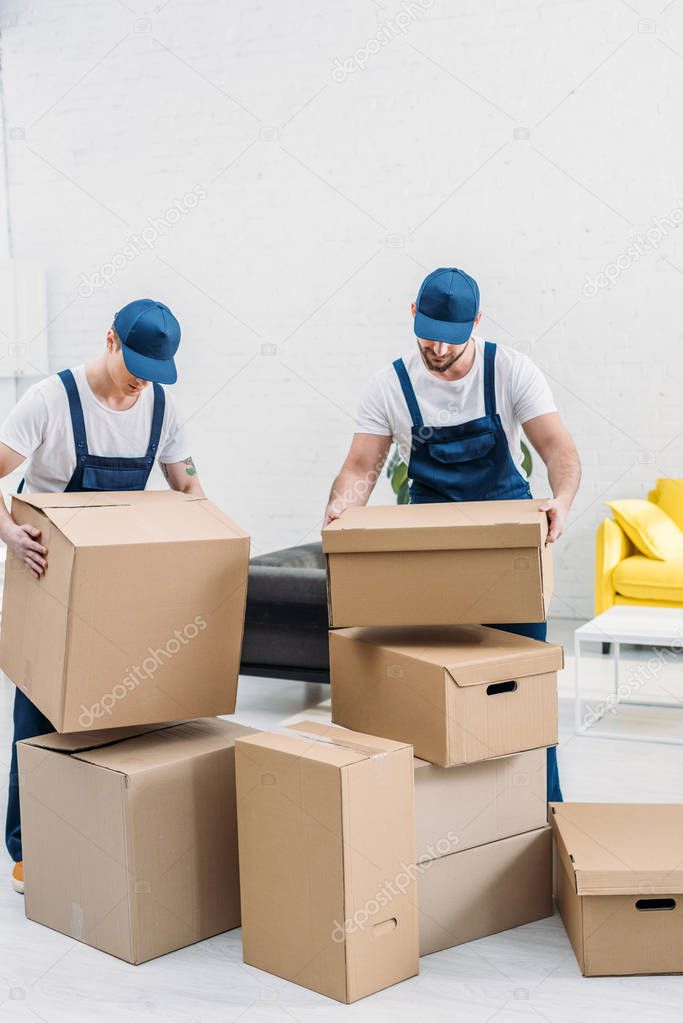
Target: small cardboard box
[[439, 564], [458, 808], [326, 839], [130, 835], [459, 694], [620, 885], [139, 616], [490, 888]]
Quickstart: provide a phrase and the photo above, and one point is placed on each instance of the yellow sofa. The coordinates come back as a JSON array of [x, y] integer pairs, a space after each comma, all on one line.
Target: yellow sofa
[[625, 576]]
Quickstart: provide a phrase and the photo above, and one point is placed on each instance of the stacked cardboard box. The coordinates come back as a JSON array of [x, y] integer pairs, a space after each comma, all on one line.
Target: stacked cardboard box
[[129, 831], [439, 564], [483, 848], [130, 840], [408, 587], [327, 839]]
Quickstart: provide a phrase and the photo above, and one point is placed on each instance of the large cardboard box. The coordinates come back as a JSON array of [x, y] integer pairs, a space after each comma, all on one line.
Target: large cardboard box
[[483, 848], [459, 694], [481, 891], [130, 836], [327, 854], [458, 808], [620, 885], [439, 564], [139, 616]]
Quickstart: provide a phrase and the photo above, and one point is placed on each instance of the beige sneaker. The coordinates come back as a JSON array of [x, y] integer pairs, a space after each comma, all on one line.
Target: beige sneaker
[[18, 877]]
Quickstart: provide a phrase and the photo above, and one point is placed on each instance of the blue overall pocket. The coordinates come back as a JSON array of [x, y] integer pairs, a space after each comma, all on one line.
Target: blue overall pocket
[[113, 478], [464, 449]]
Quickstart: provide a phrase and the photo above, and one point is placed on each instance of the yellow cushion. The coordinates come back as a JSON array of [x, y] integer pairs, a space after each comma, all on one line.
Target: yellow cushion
[[646, 579], [620, 601], [648, 528], [668, 494]]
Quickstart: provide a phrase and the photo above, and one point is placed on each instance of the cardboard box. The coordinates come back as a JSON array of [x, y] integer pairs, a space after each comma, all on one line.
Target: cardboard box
[[459, 694], [439, 564], [139, 616], [467, 895], [458, 808], [129, 836], [326, 839], [620, 879]]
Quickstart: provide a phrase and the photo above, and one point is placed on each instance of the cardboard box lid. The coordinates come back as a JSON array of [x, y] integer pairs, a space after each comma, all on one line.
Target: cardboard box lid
[[326, 743], [621, 848], [471, 654], [111, 518], [431, 527], [133, 750], [77, 742]]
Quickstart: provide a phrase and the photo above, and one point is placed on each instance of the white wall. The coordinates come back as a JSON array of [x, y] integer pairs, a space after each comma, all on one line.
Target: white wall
[[525, 142]]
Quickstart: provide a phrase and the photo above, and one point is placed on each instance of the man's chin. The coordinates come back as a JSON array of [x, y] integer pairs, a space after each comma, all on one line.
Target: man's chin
[[439, 367]]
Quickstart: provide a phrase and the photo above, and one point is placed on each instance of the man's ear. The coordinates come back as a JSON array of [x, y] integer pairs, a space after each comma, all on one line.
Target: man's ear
[[413, 309], [111, 340], [478, 318]]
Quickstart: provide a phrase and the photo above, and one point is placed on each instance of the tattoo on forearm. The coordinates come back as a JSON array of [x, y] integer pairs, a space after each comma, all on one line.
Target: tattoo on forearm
[[190, 467], [164, 469]]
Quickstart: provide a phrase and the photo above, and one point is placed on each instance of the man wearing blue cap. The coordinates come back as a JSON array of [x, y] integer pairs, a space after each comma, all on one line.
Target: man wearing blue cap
[[456, 406], [99, 426]]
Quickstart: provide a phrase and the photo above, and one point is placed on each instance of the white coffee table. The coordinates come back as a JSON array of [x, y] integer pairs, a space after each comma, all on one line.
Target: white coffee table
[[660, 627]]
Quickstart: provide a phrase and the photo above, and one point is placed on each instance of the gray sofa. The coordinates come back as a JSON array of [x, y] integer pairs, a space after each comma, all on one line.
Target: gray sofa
[[286, 624]]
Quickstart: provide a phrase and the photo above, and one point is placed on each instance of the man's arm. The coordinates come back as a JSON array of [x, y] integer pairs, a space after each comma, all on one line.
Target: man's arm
[[23, 540], [182, 476], [358, 475], [554, 443]]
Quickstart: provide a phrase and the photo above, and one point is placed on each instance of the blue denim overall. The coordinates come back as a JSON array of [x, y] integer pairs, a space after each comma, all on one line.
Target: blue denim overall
[[470, 462], [92, 472]]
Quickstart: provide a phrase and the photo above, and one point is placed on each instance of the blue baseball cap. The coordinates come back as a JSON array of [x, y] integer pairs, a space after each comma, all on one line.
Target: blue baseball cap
[[149, 334], [447, 306]]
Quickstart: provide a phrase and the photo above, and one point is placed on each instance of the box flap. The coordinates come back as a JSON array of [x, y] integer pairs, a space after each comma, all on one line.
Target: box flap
[[471, 654], [516, 662], [369, 745], [168, 745], [77, 742], [621, 848], [105, 519], [427, 527], [101, 498], [328, 743]]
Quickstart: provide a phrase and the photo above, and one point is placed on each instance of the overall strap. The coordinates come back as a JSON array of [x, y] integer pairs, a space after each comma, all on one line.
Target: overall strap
[[157, 420], [489, 378], [76, 410], [408, 392]]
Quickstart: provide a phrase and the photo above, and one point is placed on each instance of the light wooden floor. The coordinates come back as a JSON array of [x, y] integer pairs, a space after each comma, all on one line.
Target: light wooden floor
[[526, 974]]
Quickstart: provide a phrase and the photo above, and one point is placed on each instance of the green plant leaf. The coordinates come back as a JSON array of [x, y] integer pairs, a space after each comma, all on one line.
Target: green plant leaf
[[527, 460], [392, 462], [399, 477]]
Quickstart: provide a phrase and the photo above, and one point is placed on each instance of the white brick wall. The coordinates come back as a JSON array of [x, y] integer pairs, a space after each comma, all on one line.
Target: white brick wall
[[526, 142]]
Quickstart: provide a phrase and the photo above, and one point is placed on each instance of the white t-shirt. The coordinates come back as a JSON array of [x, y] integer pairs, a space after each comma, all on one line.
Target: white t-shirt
[[522, 393], [39, 427]]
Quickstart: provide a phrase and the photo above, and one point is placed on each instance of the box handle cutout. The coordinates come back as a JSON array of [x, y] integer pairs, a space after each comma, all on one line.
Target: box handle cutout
[[653, 904], [500, 687], [385, 927]]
